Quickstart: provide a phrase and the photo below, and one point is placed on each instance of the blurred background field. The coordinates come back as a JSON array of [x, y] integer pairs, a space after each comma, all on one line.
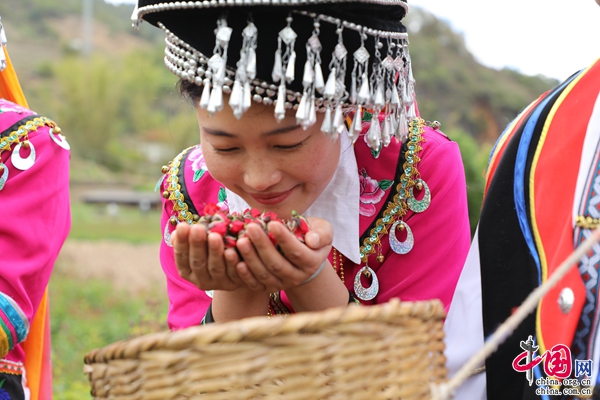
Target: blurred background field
[[107, 88]]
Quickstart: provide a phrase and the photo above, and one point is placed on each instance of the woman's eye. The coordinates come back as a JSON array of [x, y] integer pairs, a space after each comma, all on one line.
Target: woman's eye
[[290, 147], [226, 150]]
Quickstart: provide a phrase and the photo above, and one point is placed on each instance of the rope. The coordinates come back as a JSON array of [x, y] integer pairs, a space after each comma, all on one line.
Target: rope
[[446, 390]]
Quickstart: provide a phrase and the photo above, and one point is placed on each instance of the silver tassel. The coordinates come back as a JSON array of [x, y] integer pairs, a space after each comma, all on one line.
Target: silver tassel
[[327, 126], [247, 97], [379, 96], [374, 133], [277, 67], [329, 91], [338, 119], [236, 98], [312, 114], [412, 113], [251, 67], [280, 106], [364, 94], [356, 126], [290, 71], [205, 98], [353, 94], [319, 81], [308, 76], [395, 96], [301, 112], [216, 100], [386, 136], [402, 128]]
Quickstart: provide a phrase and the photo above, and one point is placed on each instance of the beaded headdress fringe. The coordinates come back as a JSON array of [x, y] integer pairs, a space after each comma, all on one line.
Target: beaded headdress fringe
[[380, 83]]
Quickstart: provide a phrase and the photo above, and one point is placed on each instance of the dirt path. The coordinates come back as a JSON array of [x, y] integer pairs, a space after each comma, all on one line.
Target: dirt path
[[134, 267]]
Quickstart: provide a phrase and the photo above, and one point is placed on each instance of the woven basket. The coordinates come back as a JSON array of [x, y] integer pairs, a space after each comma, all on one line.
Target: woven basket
[[389, 351]]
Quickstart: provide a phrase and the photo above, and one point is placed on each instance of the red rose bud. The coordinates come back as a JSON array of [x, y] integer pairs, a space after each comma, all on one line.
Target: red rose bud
[[211, 209], [236, 227], [269, 216], [219, 227], [272, 238], [255, 213], [229, 241], [303, 226]]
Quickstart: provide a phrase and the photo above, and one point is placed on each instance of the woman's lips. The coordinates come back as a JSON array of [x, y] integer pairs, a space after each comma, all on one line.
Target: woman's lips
[[271, 199]]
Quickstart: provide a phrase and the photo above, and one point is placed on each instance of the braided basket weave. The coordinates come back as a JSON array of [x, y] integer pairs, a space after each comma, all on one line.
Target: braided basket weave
[[388, 351]]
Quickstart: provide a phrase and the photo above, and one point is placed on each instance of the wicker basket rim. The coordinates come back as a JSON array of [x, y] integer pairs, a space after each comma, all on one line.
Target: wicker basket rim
[[258, 328]]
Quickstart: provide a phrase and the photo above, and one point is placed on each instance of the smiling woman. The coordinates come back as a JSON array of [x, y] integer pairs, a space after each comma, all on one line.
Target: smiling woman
[[384, 192]]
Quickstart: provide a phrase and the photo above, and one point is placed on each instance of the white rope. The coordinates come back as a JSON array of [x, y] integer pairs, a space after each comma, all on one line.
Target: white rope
[[446, 390]]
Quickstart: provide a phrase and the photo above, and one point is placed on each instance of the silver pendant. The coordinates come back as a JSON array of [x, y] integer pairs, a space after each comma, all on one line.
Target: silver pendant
[[167, 236], [62, 142], [20, 162], [398, 246], [362, 292], [419, 205], [4, 176]]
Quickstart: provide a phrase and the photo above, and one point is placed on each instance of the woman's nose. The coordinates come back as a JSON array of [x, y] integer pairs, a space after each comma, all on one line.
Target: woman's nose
[[259, 174]]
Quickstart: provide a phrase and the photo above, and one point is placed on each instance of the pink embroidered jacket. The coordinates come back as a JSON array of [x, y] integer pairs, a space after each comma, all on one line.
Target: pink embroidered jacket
[[441, 233], [35, 222]]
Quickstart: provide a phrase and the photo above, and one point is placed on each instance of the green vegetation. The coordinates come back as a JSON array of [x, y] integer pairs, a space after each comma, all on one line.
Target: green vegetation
[[93, 222], [88, 315]]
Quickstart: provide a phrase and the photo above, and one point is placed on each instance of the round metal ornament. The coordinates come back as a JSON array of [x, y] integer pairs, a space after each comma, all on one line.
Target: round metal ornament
[[23, 163], [167, 236], [419, 205], [362, 292], [62, 142], [4, 176], [401, 247]]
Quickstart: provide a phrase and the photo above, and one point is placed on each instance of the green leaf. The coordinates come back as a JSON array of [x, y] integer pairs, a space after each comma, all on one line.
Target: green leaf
[[385, 184], [222, 194], [2, 382], [199, 174], [375, 153]]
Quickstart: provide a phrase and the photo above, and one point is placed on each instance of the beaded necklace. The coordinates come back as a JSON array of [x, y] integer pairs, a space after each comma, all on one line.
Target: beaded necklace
[[397, 208], [403, 201]]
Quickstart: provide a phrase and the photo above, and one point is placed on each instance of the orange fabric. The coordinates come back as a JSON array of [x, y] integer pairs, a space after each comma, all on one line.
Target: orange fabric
[[38, 363], [10, 89], [553, 205], [37, 346]]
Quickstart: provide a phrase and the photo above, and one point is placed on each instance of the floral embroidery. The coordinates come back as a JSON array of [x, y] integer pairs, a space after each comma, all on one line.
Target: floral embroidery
[[198, 164], [223, 204], [371, 192], [3, 394]]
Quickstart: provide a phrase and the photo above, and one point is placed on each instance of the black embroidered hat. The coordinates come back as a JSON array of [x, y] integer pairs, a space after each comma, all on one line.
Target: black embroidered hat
[[293, 54]]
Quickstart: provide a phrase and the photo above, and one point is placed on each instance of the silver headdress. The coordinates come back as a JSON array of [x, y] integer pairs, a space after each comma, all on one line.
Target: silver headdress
[[380, 79]]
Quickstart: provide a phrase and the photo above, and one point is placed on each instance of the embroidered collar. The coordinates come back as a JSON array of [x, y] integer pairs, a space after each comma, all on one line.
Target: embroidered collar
[[339, 203]]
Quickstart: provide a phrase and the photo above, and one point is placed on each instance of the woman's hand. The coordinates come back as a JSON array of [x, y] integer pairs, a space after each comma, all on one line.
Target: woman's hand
[[203, 260], [265, 268]]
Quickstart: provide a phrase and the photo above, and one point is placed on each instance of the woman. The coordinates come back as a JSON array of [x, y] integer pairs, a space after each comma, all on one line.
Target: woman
[[34, 165], [388, 217]]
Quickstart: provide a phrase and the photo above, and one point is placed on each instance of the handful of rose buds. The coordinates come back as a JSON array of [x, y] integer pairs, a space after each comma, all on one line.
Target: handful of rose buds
[[233, 226]]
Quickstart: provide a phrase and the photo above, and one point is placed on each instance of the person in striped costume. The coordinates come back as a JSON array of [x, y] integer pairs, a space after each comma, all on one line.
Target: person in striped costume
[[541, 201]]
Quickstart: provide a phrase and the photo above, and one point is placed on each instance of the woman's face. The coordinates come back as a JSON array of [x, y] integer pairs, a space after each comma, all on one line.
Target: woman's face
[[278, 167]]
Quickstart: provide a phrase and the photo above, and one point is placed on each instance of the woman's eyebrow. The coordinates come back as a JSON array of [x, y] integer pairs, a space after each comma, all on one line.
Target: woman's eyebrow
[[278, 131]]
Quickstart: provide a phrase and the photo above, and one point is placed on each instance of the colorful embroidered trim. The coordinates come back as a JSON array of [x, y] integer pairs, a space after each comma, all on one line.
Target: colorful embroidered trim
[[173, 191], [22, 133], [396, 209], [12, 319], [11, 367]]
